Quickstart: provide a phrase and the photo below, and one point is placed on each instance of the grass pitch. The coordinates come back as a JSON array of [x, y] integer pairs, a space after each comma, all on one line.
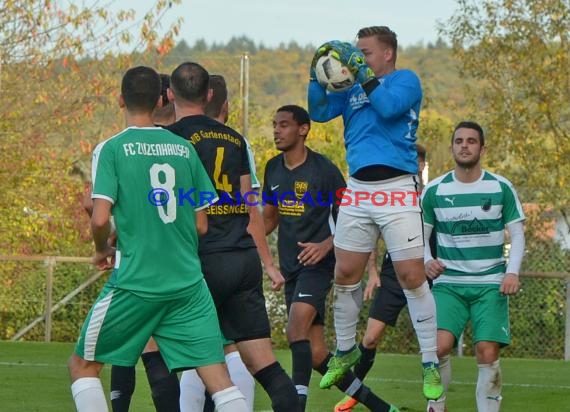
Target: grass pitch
[[33, 377]]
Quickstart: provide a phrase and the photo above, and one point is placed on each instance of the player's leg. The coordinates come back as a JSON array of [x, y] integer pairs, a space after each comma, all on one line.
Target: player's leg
[[243, 318], [305, 297], [490, 318], [192, 391], [452, 316], [349, 384], [164, 385], [388, 302], [115, 331], [403, 234], [239, 374], [123, 380], [355, 238], [189, 337], [301, 316]]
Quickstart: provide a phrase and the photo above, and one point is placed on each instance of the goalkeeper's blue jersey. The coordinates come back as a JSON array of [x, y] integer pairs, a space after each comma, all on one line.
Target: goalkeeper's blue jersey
[[380, 128]]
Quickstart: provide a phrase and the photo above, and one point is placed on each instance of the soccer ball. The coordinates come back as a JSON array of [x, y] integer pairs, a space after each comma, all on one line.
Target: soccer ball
[[332, 74]]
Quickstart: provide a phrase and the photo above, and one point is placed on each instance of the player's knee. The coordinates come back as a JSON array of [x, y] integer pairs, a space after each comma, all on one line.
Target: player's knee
[[487, 352]]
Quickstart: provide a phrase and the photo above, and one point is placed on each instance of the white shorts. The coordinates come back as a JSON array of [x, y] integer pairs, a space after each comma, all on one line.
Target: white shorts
[[389, 207]]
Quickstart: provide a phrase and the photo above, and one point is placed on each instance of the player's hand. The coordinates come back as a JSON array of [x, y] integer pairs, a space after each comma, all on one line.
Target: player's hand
[[104, 260], [434, 268], [321, 51], [277, 279], [510, 284], [372, 284], [313, 253], [354, 60]]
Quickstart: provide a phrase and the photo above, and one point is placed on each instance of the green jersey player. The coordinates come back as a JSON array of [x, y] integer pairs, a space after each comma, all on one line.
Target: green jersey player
[[468, 209], [157, 287]]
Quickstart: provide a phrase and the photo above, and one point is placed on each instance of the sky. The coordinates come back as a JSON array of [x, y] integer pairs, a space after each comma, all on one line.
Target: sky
[[313, 22]]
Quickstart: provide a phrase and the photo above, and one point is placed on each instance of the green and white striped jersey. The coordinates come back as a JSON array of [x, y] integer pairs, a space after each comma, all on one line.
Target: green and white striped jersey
[[469, 220]]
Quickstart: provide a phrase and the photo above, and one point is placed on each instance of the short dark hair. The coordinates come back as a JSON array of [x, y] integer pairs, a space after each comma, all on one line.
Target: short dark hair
[[300, 115], [468, 124], [165, 84], [219, 96], [190, 82], [422, 152], [140, 89], [382, 33]]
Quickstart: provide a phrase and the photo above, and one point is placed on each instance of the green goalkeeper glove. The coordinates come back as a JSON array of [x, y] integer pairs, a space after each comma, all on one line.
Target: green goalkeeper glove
[[354, 60]]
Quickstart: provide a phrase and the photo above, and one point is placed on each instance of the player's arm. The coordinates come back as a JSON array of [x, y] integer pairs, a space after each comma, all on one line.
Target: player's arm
[[256, 229], [313, 252], [201, 222], [373, 276], [511, 284], [434, 267], [101, 229], [270, 218], [396, 100]]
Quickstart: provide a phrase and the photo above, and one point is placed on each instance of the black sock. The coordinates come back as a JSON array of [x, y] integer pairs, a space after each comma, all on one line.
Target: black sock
[[366, 397], [363, 394], [365, 363], [122, 387], [303, 402], [209, 405], [302, 360], [279, 387], [164, 385]]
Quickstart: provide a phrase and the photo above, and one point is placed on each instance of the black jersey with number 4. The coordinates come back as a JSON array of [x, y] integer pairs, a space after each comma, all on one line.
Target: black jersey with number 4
[[307, 201], [223, 152]]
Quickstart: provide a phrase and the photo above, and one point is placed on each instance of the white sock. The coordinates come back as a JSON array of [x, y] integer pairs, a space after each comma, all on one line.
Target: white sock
[[88, 395], [230, 400], [347, 304], [445, 371], [489, 384], [241, 377], [421, 306], [436, 406], [445, 374], [192, 392]]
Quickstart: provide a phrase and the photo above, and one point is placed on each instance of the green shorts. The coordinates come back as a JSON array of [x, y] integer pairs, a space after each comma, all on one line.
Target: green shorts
[[487, 308], [120, 323]]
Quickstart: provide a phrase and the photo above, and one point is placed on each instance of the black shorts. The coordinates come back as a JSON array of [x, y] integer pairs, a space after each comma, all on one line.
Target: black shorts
[[310, 285], [388, 301], [235, 280]]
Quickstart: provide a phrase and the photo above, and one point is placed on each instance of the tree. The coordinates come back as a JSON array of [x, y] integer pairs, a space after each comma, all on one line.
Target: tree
[[515, 54], [60, 67]]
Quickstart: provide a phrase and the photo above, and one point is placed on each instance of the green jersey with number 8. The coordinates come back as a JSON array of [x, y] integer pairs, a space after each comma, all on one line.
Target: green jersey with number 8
[[156, 182]]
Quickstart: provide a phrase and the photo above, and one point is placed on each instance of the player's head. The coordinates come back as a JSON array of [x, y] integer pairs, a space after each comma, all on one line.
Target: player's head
[[467, 143], [380, 47], [422, 153], [190, 83], [164, 115], [291, 125], [217, 107], [140, 90]]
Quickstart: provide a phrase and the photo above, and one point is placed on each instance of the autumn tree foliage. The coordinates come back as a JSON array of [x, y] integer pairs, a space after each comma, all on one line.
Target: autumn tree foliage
[[60, 64], [516, 55]]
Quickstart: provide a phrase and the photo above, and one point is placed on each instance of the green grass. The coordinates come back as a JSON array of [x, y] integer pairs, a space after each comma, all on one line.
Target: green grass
[[33, 377]]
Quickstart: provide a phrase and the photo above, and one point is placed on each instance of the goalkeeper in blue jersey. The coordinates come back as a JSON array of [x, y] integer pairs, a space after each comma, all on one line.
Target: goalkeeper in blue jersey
[[380, 114], [468, 209]]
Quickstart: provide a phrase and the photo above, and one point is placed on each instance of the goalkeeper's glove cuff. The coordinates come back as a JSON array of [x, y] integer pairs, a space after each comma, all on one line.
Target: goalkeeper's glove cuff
[[370, 85]]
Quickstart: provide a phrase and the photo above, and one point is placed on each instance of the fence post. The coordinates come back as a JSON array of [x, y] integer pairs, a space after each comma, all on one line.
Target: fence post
[[567, 322], [50, 263], [244, 81]]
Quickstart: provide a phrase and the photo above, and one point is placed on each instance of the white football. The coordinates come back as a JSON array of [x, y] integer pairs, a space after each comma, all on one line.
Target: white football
[[332, 74]]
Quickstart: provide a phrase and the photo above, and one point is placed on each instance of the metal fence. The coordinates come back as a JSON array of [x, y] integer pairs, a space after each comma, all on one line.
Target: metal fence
[[47, 297]]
